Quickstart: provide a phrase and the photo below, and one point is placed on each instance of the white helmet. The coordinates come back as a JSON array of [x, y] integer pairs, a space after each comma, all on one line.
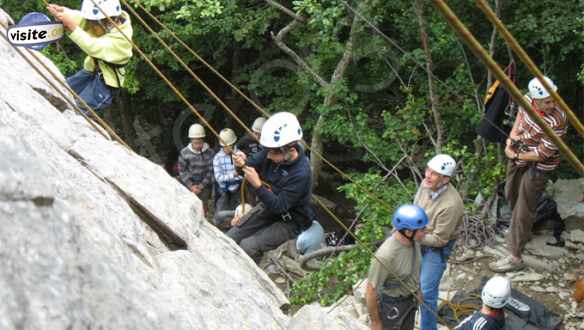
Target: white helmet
[[196, 131], [442, 164], [227, 137], [258, 124], [242, 209], [90, 9], [537, 90], [281, 129], [496, 292]]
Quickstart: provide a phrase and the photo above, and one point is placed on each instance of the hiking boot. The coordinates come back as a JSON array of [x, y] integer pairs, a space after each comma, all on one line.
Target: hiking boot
[[506, 265]]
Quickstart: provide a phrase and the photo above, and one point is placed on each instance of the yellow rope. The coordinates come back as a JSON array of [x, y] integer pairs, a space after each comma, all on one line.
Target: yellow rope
[[206, 123], [255, 105]]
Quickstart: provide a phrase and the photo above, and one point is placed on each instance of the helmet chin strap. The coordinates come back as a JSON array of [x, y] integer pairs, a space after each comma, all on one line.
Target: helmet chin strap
[[411, 238]]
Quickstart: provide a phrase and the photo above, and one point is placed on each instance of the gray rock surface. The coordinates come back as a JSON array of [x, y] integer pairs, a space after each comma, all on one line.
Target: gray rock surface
[[94, 236], [5, 19], [569, 194]]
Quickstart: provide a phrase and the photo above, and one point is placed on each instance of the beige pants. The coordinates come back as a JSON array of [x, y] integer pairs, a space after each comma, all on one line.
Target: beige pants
[[523, 188]]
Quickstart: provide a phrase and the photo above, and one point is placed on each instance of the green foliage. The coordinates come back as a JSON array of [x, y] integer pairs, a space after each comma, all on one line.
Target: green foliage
[[380, 109], [340, 273]]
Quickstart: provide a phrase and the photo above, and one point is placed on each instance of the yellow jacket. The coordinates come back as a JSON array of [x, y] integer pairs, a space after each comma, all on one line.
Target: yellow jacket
[[111, 47]]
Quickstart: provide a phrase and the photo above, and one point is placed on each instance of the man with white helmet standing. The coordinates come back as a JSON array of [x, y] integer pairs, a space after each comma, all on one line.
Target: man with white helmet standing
[[249, 144], [532, 156], [285, 208], [495, 295], [107, 49], [227, 178], [444, 207], [196, 164]]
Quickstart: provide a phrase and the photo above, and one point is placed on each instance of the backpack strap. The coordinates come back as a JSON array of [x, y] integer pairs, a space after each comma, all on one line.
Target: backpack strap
[[114, 66]]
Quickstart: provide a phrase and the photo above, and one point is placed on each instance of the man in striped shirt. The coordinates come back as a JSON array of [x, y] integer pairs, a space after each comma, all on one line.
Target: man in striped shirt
[[532, 156]]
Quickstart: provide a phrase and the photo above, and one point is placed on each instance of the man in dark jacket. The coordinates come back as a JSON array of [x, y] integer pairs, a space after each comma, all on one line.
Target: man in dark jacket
[[495, 295], [284, 209]]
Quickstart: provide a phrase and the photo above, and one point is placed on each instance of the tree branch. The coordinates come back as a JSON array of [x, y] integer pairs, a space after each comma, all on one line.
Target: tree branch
[[282, 45], [286, 11]]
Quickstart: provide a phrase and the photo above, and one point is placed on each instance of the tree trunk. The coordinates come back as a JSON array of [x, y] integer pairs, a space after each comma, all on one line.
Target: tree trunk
[[431, 87], [316, 145]]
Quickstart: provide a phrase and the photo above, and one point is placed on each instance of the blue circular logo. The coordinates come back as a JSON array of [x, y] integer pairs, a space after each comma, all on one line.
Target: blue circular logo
[[32, 19]]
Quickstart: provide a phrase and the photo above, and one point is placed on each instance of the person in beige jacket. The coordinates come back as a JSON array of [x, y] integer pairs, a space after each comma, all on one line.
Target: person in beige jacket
[[444, 207]]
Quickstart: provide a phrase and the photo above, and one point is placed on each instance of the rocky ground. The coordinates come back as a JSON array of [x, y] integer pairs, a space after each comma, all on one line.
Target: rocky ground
[[549, 277]]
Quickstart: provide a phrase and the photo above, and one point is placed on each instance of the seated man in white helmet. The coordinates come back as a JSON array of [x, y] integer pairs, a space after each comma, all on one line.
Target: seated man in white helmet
[[496, 293], [97, 29], [284, 210]]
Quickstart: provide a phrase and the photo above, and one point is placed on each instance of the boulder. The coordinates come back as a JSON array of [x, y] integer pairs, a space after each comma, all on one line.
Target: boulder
[[337, 317], [569, 195], [96, 236]]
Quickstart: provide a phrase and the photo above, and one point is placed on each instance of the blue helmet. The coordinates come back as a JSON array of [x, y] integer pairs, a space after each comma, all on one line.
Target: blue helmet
[[409, 217]]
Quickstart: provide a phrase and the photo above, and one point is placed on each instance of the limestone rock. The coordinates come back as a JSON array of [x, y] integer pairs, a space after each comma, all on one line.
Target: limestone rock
[[94, 236], [577, 235], [526, 277], [569, 195], [333, 318], [537, 246]]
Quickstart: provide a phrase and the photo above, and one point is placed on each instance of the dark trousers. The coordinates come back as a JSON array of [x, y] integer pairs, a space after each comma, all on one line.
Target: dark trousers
[[263, 232], [397, 313], [523, 188], [228, 201]]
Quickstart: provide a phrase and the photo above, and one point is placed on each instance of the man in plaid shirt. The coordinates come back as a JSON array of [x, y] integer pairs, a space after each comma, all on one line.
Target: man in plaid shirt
[[227, 178], [196, 164], [532, 157]]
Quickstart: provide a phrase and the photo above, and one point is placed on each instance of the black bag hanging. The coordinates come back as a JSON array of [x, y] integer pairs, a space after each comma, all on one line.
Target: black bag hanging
[[492, 127]]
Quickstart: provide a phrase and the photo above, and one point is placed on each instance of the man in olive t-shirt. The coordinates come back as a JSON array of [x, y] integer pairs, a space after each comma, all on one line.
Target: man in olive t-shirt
[[394, 275]]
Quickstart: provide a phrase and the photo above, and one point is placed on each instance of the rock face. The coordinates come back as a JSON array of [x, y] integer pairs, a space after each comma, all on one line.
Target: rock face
[[95, 236], [569, 194]]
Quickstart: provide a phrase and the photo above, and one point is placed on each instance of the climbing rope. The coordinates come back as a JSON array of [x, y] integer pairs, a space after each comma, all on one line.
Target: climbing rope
[[193, 109], [254, 104], [204, 121], [512, 42]]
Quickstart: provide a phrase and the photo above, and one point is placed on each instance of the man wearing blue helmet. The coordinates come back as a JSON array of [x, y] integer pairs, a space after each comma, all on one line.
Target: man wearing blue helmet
[[393, 283]]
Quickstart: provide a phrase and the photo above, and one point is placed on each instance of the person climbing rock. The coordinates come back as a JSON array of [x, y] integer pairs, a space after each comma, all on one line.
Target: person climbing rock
[[106, 48]]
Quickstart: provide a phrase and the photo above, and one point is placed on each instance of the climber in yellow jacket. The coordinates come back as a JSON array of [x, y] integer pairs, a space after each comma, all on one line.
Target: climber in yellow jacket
[[106, 48]]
